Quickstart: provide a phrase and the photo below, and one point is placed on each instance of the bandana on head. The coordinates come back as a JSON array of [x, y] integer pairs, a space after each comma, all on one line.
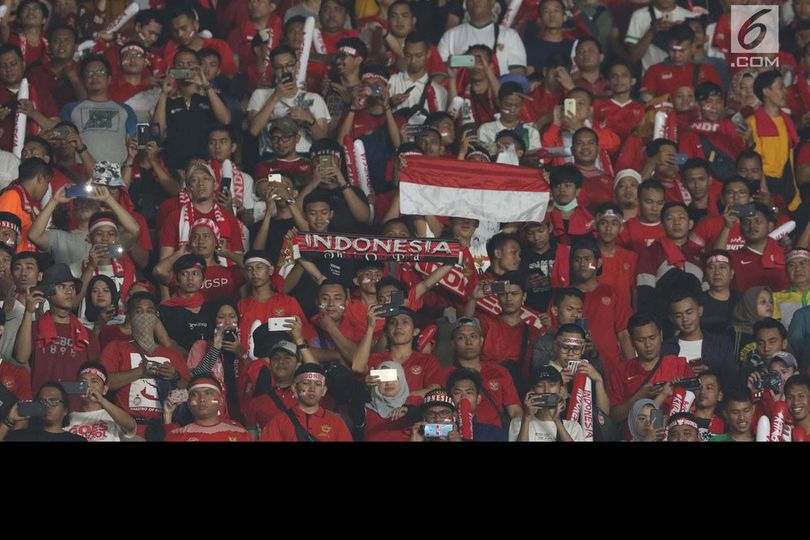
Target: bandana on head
[[310, 376], [9, 225], [351, 51], [682, 422], [718, 259], [797, 254], [208, 224], [206, 382], [608, 213], [96, 372], [571, 341]]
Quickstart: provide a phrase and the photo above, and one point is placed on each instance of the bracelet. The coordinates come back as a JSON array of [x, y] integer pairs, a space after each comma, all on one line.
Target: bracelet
[[304, 345], [343, 187], [9, 422], [208, 87], [82, 150]]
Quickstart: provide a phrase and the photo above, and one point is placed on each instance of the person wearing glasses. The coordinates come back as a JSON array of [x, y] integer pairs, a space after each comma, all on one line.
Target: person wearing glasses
[[104, 124], [48, 428]]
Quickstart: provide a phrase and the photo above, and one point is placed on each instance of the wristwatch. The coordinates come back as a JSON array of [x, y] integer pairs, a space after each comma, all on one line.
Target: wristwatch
[[304, 345], [208, 87], [344, 186]]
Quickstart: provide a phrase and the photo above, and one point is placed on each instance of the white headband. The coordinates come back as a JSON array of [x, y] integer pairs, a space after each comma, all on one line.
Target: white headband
[[632, 173]]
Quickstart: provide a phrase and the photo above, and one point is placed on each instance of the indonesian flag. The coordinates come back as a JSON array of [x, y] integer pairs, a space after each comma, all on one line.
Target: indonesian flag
[[486, 191]]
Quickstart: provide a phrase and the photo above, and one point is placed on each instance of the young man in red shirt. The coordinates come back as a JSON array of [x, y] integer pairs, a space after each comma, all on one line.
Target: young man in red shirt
[[647, 376], [602, 305], [307, 421], [262, 19], [500, 395], [422, 371], [622, 113], [797, 396], [597, 184], [142, 372], [204, 398], [711, 231], [60, 78], [618, 264], [679, 69], [338, 334], [761, 262], [569, 220], [186, 33], [641, 231], [279, 393]]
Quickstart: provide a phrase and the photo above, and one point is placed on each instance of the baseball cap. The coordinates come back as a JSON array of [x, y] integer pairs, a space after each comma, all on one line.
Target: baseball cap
[[465, 321], [519, 79], [285, 124], [438, 397], [788, 359], [284, 345], [548, 373], [403, 310]]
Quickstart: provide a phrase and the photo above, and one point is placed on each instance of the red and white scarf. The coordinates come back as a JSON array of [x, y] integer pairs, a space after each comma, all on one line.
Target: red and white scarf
[[47, 334], [43, 48], [188, 217], [237, 182], [123, 269]]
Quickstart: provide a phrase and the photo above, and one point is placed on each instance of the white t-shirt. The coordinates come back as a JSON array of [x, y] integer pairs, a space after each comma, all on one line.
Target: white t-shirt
[[544, 431], [639, 24], [9, 163], [510, 49], [489, 131], [402, 81], [691, 349], [306, 100], [97, 426]]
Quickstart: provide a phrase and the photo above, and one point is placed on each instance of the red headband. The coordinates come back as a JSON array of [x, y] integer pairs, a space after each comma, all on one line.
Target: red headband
[[94, 371]]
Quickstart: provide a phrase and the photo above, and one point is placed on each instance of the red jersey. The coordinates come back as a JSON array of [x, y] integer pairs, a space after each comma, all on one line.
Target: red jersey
[[33, 53], [324, 425], [298, 168], [619, 271], [722, 135], [498, 384], [622, 118], [16, 379], [47, 83], [380, 429], [664, 255], [230, 229], [597, 189], [364, 123], [43, 104], [140, 397], [219, 281], [121, 90], [421, 370], [628, 378], [278, 305], [709, 228], [638, 236], [227, 67], [599, 89], [542, 103], [225, 431], [240, 38], [263, 408], [633, 154], [666, 78], [59, 360], [610, 316], [502, 341], [753, 269]]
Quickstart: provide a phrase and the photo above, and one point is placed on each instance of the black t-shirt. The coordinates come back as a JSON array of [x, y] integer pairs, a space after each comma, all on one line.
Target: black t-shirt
[[147, 194], [38, 435], [696, 214], [184, 326], [716, 317], [538, 50], [431, 20], [341, 271], [532, 263], [275, 238], [343, 221], [187, 129]]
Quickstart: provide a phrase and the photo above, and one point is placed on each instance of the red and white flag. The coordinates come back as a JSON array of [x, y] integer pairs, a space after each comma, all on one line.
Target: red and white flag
[[486, 191]]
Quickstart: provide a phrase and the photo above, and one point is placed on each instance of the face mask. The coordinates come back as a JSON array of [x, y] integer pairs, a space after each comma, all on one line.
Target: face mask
[[567, 207]]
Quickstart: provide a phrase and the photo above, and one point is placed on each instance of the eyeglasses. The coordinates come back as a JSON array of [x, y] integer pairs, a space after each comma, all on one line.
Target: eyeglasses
[[53, 402], [278, 138], [96, 73]]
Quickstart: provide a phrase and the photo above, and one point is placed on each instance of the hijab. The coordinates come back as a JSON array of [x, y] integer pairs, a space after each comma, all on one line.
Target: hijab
[[744, 314], [635, 410], [382, 405]]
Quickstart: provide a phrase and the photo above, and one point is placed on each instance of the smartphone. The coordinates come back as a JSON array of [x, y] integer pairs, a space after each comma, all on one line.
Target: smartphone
[[13, 105], [657, 418], [498, 287], [582, 323], [229, 335], [225, 185], [264, 33], [680, 159], [692, 384], [397, 298], [81, 190], [768, 380], [408, 91], [324, 160], [573, 366], [181, 73], [437, 431], [569, 107], [287, 77], [115, 251], [61, 132], [152, 367], [29, 409], [462, 61], [376, 91], [738, 120], [385, 375], [274, 178], [143, 134], [178, 395], [546, 401], [74, 388], [279, 324], [744, 210]]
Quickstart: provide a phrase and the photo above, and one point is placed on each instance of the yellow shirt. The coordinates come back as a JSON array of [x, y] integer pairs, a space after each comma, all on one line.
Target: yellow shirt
[[366, 8], [774, 150], [786, 303]]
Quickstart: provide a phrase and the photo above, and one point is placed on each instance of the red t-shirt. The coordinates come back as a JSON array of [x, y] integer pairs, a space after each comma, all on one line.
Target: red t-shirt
[[324, 425], [722, 135], [219, 281], [380, 429], [653, 262], [710, 227], [628, 378], [619, 271], [60, 360], [225, 431], [749, 270], [421, 370], [597, 189], [296, 168], [665, 78], [622, 119], [140, 398], [364, 123], [279, 305], [501, 388], [331, 40], [121, 90], [637, 236], [262, 409], [230, 229], [502, 342], [228, 66], [16, 379], [609, 316]]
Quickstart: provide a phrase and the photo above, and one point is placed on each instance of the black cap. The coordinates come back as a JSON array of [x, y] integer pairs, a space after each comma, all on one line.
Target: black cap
[[310, 367], [403, 310], [59, 273], [549, 373]]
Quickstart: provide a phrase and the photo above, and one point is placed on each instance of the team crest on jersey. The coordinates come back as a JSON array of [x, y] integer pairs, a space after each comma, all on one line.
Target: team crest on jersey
[[8, 383], [326, 428], [636, 112], [666, 76], [416, 370], [231, 438], [606, 300], [650, 241], [493, 385], [279, 312]]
